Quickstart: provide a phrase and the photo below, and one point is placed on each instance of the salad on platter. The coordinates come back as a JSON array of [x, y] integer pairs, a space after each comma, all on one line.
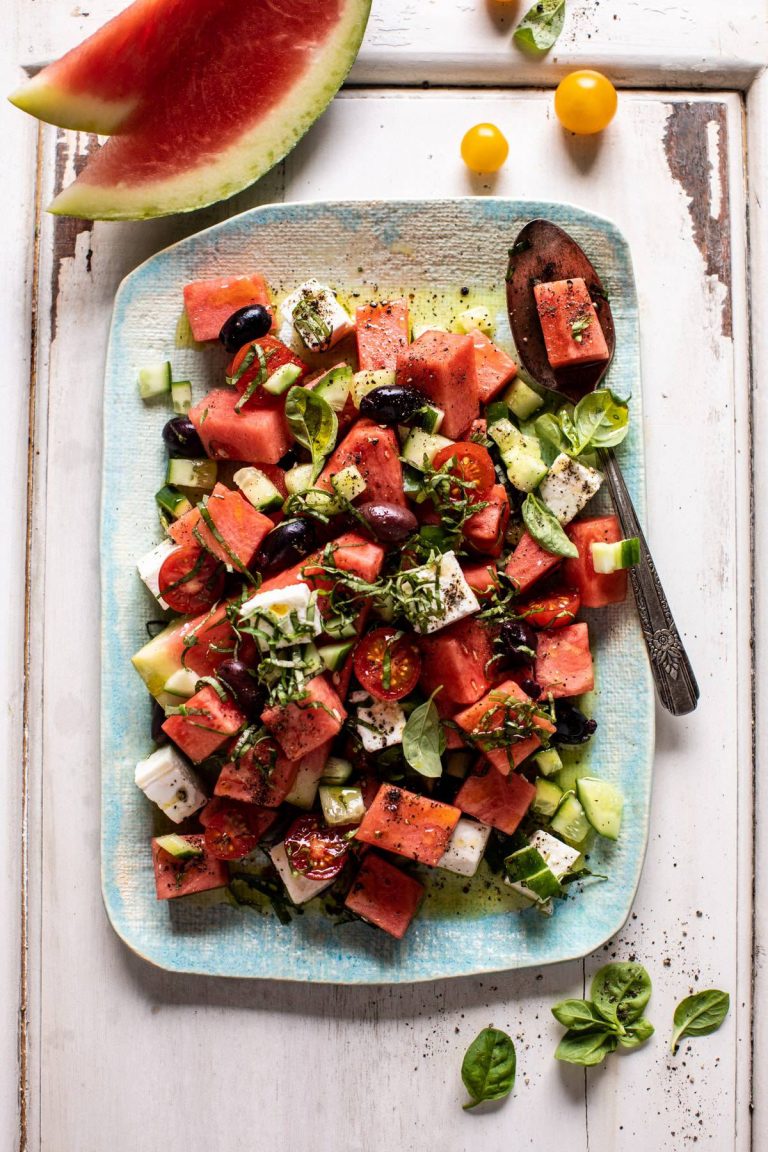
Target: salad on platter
[[377, 543]]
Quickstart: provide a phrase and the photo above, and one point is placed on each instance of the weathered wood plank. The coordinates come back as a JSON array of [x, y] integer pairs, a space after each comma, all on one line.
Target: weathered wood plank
[[107, 1020]]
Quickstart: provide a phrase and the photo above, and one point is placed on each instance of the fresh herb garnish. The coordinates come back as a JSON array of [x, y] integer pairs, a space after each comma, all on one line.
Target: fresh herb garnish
[[579, 327], [313, 424], [424, 740], [597, 421], [310, 324], [545, 528], [488, 1067], [699, 1015], [542, 24], [612, 1017]]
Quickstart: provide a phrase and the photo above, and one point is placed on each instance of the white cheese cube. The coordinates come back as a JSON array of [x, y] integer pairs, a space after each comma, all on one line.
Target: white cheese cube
[[149, 568], [333, 321], [443, 602], [283, 616], [559, 857], [465, 847], [168, 781], [380, 725], [299, 888], [568, 487]]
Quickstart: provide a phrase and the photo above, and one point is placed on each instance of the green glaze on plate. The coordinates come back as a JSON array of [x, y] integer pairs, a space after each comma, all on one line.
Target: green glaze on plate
[[375, 250]]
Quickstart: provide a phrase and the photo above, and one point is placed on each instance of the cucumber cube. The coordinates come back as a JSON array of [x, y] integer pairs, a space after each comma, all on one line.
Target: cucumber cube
[[155, 380], [603, 804], [181, 396]]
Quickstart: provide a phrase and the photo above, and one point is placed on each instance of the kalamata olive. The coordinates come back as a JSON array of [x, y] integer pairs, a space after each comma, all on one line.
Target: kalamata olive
[[391, 404], [518, 642], [158, 719], [285, 545], [237, 679], [531, 688], [389, 522], [572, 726], [181, 438], [291, 457], [246, 324]]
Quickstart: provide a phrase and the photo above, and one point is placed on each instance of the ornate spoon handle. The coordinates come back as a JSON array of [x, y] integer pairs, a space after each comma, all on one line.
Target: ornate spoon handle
[[671, 668]]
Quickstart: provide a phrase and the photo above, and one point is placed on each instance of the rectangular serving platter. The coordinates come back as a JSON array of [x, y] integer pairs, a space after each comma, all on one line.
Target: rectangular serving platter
[[374, 249]]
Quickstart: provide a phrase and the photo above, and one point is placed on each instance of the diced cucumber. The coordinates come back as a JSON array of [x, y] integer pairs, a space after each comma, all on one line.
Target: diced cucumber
[[521, 399], [298, 478], [547, 798], [304, 791], [497, 410], [421, 448], [429, 418], [334, 386], [413, 483], [181, 396], [567, 776], [258, 489], [336, 771], [173, 502], [339, 628], [281, 379], [570, 820], [334, 655], [603, 804], [527, 867], [200, 474], [347, 485], [178, 846], [341, 805], [365, 382], [548, 761], [155, 380], [521, 455], [607, 558], [182, 682], [420, 329], [477, 317], [458, 763]]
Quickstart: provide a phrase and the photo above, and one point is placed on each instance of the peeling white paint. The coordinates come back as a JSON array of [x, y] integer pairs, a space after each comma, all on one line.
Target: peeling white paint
[[715, 184]]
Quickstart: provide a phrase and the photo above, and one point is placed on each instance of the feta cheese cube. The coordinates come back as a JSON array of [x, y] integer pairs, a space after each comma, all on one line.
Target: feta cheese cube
[[283, 616], [380, 725], [465, 847], [299, 888], [167, 780], [437, 603], [149, 568], [568, 487], [559, 857], [318, 317]]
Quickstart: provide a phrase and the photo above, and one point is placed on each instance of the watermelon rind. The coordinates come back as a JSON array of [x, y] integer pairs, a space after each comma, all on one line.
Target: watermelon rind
[[66, 109], [242, 162]]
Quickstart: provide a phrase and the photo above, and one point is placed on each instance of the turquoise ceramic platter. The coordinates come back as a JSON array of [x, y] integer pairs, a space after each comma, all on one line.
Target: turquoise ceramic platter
[[366, 251]]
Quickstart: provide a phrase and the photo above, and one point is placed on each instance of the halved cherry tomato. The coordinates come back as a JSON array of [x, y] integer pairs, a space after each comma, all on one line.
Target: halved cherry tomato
[[313, 849], [273, 355], [387, 663], [556, 609], [473, 465], [230, 833], [191, 580]]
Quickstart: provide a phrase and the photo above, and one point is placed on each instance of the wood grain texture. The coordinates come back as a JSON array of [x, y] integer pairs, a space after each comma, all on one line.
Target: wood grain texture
[[384, 1062]]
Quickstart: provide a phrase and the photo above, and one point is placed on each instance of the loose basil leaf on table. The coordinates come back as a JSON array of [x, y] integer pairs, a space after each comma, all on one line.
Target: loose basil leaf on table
[[620, 992], [580, 1016], [699, 1015], [313, 424], [488, 1068], [586, 1048], [423, 739], [545, 528], [637, 1033], [541, 25]]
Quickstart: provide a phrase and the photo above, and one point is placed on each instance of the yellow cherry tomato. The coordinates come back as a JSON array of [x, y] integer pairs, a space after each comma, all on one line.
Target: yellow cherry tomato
[[585, 102], [484, 148]]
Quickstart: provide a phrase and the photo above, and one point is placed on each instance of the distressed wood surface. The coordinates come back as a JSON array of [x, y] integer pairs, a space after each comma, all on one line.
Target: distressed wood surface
[[690, 42], [123, 1056]]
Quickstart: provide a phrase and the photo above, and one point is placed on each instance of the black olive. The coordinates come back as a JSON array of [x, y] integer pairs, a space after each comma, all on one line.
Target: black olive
[[518, 642], [391, 404], [249, 323], [531, 688], [181, 438], [572, 726], [389, 522], [158, 719], [237, 679], [285, 545], [291, 457]]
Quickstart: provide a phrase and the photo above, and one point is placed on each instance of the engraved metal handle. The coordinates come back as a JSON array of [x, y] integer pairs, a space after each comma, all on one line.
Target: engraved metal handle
[[671, 668]]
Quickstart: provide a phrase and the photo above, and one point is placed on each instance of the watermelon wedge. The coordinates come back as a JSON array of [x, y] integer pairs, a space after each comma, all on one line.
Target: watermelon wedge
[[201, 97]]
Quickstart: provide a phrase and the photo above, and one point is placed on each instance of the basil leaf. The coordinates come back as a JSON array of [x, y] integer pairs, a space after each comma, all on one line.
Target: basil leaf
[[422, 739], [313, 424], [545, 528], [637, 1033], [488, 1067], [541, 25], [599, 421], [699, 1015], [587, 1048], [620, 992], [580, 1016]]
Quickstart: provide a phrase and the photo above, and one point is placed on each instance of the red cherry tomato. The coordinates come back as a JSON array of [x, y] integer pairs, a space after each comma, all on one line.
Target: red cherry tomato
[[190, 579], [228, 833], [473, 465], [553, 610], [387, 663], [273, 355], [316, 851]]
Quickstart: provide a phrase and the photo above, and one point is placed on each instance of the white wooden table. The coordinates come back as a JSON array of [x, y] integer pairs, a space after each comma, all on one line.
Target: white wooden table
[[99, 1051]]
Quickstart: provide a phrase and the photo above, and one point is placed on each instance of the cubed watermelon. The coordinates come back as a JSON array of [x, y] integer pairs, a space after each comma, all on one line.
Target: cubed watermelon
[[209, 303], [529, 562], [349, 553], [252, 435], [597, 589], [569, 323], [496, 799], [182, 877], [408, 824], [208, 723], [488, 714], [261, 776], [301, 727], [382, 334], [238, 524], [482, 578], [384, 896], [375, 452], [458, 660], [494, 367], [484, 531], [210, 639], [442, 366], [564, 661]]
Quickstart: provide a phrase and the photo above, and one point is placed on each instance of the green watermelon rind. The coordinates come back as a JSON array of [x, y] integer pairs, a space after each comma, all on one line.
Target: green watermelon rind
[[243, 162], [81, 112]]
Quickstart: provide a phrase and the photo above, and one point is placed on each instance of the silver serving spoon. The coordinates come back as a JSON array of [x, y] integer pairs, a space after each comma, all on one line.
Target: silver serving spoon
[[544, 252]]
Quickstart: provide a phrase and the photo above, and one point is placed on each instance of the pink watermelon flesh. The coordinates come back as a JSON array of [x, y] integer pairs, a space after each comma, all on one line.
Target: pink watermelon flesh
[[226, 103]]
